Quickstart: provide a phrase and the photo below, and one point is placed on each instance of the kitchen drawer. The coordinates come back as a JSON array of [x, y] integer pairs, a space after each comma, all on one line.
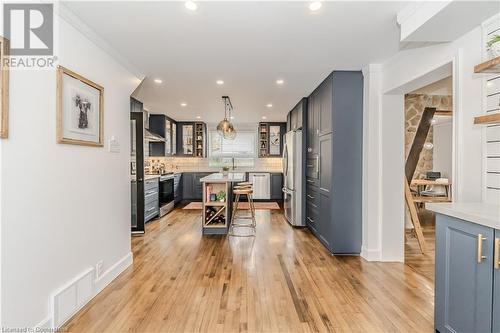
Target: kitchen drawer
[[151, 210], [150, 184], [151, 195], [312, 166], [493, 102], [312, 215], [312, 182], [493, 86], [312, 196]]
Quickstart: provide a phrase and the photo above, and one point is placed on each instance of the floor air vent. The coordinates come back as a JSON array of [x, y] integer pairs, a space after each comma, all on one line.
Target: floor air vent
[[69, 299]]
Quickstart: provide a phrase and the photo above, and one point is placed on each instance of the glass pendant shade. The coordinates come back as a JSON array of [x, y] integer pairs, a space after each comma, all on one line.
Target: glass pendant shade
[[225, 128]]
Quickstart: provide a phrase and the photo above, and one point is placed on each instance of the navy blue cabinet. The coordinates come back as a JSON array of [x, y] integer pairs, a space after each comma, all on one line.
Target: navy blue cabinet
[[464, 277], [333, 165], [191, 186], [496, 282], [276, 180], [177, 187]]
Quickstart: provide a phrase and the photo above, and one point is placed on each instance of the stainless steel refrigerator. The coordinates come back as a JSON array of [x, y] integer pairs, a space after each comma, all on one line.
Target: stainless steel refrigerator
[[292, 175]]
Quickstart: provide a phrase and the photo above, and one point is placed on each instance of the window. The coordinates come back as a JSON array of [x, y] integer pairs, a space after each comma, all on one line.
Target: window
[[242, 146], [240, 151]]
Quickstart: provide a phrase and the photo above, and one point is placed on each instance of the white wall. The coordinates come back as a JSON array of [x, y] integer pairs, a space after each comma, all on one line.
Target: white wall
[[64, 207], [386, 128], [442, 152]]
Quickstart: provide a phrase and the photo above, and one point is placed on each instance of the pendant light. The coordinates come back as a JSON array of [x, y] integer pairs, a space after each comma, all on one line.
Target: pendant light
[[225, 127]]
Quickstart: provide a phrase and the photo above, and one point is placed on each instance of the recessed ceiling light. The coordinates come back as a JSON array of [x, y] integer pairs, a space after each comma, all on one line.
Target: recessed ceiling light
[[198, 117], [232, 117], [264, 117], [158, 81], [191, 5], [219, 82], [183, 104], [269, 105], [315, 5], [280, 81]]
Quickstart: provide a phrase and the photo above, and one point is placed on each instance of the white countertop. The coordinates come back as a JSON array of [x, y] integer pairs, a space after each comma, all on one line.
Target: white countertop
[[220, 178], [476, 212], [151, 176]]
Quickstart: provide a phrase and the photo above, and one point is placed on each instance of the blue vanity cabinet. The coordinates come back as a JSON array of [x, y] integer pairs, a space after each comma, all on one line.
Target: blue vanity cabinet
[[464, 276], [496, 283]]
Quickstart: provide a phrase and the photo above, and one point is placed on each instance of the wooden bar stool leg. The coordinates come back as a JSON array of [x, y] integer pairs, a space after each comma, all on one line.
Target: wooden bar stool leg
[[252, 210]]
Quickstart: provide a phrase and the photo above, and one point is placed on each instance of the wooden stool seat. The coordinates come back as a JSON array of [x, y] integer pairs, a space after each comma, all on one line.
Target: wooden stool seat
[[243, 191], [244, 184]]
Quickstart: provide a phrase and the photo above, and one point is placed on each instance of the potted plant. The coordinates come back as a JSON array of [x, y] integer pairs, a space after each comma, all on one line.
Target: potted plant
[[494, 46], [221, 196], [225, 170]]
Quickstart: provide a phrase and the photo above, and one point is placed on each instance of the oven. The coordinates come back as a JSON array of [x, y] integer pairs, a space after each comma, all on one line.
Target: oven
[[166, 194]]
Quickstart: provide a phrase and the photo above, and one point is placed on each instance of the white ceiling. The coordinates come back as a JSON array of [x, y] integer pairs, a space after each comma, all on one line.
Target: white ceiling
[[249, 45]]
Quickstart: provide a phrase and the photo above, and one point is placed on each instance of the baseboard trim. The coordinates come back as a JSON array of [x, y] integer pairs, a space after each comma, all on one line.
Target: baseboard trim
[[113, 272], [97, 286], [370, 254], [44, 325]]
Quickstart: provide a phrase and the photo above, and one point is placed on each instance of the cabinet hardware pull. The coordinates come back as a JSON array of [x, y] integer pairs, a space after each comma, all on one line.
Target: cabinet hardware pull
[[310, 166], [480, 240], [310, 181], [150, 209], [317, 164], [310, 196], [310, 219], [497, 253]]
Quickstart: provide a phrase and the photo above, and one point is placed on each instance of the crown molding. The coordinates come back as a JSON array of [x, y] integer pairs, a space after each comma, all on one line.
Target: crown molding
[[69, 16]]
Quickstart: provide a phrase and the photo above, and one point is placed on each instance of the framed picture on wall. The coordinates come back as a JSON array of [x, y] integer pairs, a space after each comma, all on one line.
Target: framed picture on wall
[[80, 109], [4, 88]]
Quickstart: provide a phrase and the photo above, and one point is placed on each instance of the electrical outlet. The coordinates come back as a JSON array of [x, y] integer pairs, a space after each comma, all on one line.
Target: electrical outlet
[[98, 269]]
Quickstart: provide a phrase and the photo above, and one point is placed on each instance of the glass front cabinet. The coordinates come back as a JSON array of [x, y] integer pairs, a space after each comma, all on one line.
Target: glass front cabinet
[[191, 139]]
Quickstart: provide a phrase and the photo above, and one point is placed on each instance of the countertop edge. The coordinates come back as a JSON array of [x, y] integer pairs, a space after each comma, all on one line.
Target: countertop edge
[[484, 214]]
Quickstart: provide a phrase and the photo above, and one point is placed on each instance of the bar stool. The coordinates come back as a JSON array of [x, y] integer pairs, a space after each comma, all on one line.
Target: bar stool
[[247, 190]]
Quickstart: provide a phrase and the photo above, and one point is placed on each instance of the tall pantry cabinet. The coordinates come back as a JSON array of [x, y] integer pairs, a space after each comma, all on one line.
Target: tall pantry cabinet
[[334, 162]]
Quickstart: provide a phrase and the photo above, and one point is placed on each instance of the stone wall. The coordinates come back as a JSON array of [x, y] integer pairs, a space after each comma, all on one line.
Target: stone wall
[[414, 107]]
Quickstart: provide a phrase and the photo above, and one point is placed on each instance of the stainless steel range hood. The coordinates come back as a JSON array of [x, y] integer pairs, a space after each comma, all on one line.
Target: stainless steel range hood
[[149, 136], [152, 137]]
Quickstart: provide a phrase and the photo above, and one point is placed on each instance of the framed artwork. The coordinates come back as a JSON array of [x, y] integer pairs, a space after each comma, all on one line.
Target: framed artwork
[[4, 88], [80, 109]]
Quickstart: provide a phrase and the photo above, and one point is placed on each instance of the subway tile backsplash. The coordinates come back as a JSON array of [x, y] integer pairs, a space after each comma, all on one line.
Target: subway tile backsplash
[[186, 164]]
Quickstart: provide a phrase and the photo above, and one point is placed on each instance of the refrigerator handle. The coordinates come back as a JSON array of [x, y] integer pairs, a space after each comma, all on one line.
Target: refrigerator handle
[[285, 160]]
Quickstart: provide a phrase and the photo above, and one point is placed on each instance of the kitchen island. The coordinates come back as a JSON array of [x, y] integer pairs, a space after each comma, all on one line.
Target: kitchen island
[[217, 201], [467, 295]]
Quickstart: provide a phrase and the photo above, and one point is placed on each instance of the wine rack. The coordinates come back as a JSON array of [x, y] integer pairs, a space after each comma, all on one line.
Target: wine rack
[[215, 208]]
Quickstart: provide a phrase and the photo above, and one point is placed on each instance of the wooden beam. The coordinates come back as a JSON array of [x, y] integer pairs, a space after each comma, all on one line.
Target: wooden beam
[[418, 142]]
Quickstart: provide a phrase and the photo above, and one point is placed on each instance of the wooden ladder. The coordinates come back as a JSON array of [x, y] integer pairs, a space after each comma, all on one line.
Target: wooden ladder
[[411, 165], [414, 217]]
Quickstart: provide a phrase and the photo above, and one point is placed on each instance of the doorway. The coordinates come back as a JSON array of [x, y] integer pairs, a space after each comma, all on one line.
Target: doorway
[[428, 168]]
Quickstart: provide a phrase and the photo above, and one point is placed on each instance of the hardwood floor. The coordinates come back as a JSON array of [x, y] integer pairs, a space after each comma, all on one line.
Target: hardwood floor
[[281, 281], [422, 263]]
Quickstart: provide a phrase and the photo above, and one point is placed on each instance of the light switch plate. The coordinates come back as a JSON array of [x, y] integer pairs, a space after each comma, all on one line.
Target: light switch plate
[[114, 145]]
